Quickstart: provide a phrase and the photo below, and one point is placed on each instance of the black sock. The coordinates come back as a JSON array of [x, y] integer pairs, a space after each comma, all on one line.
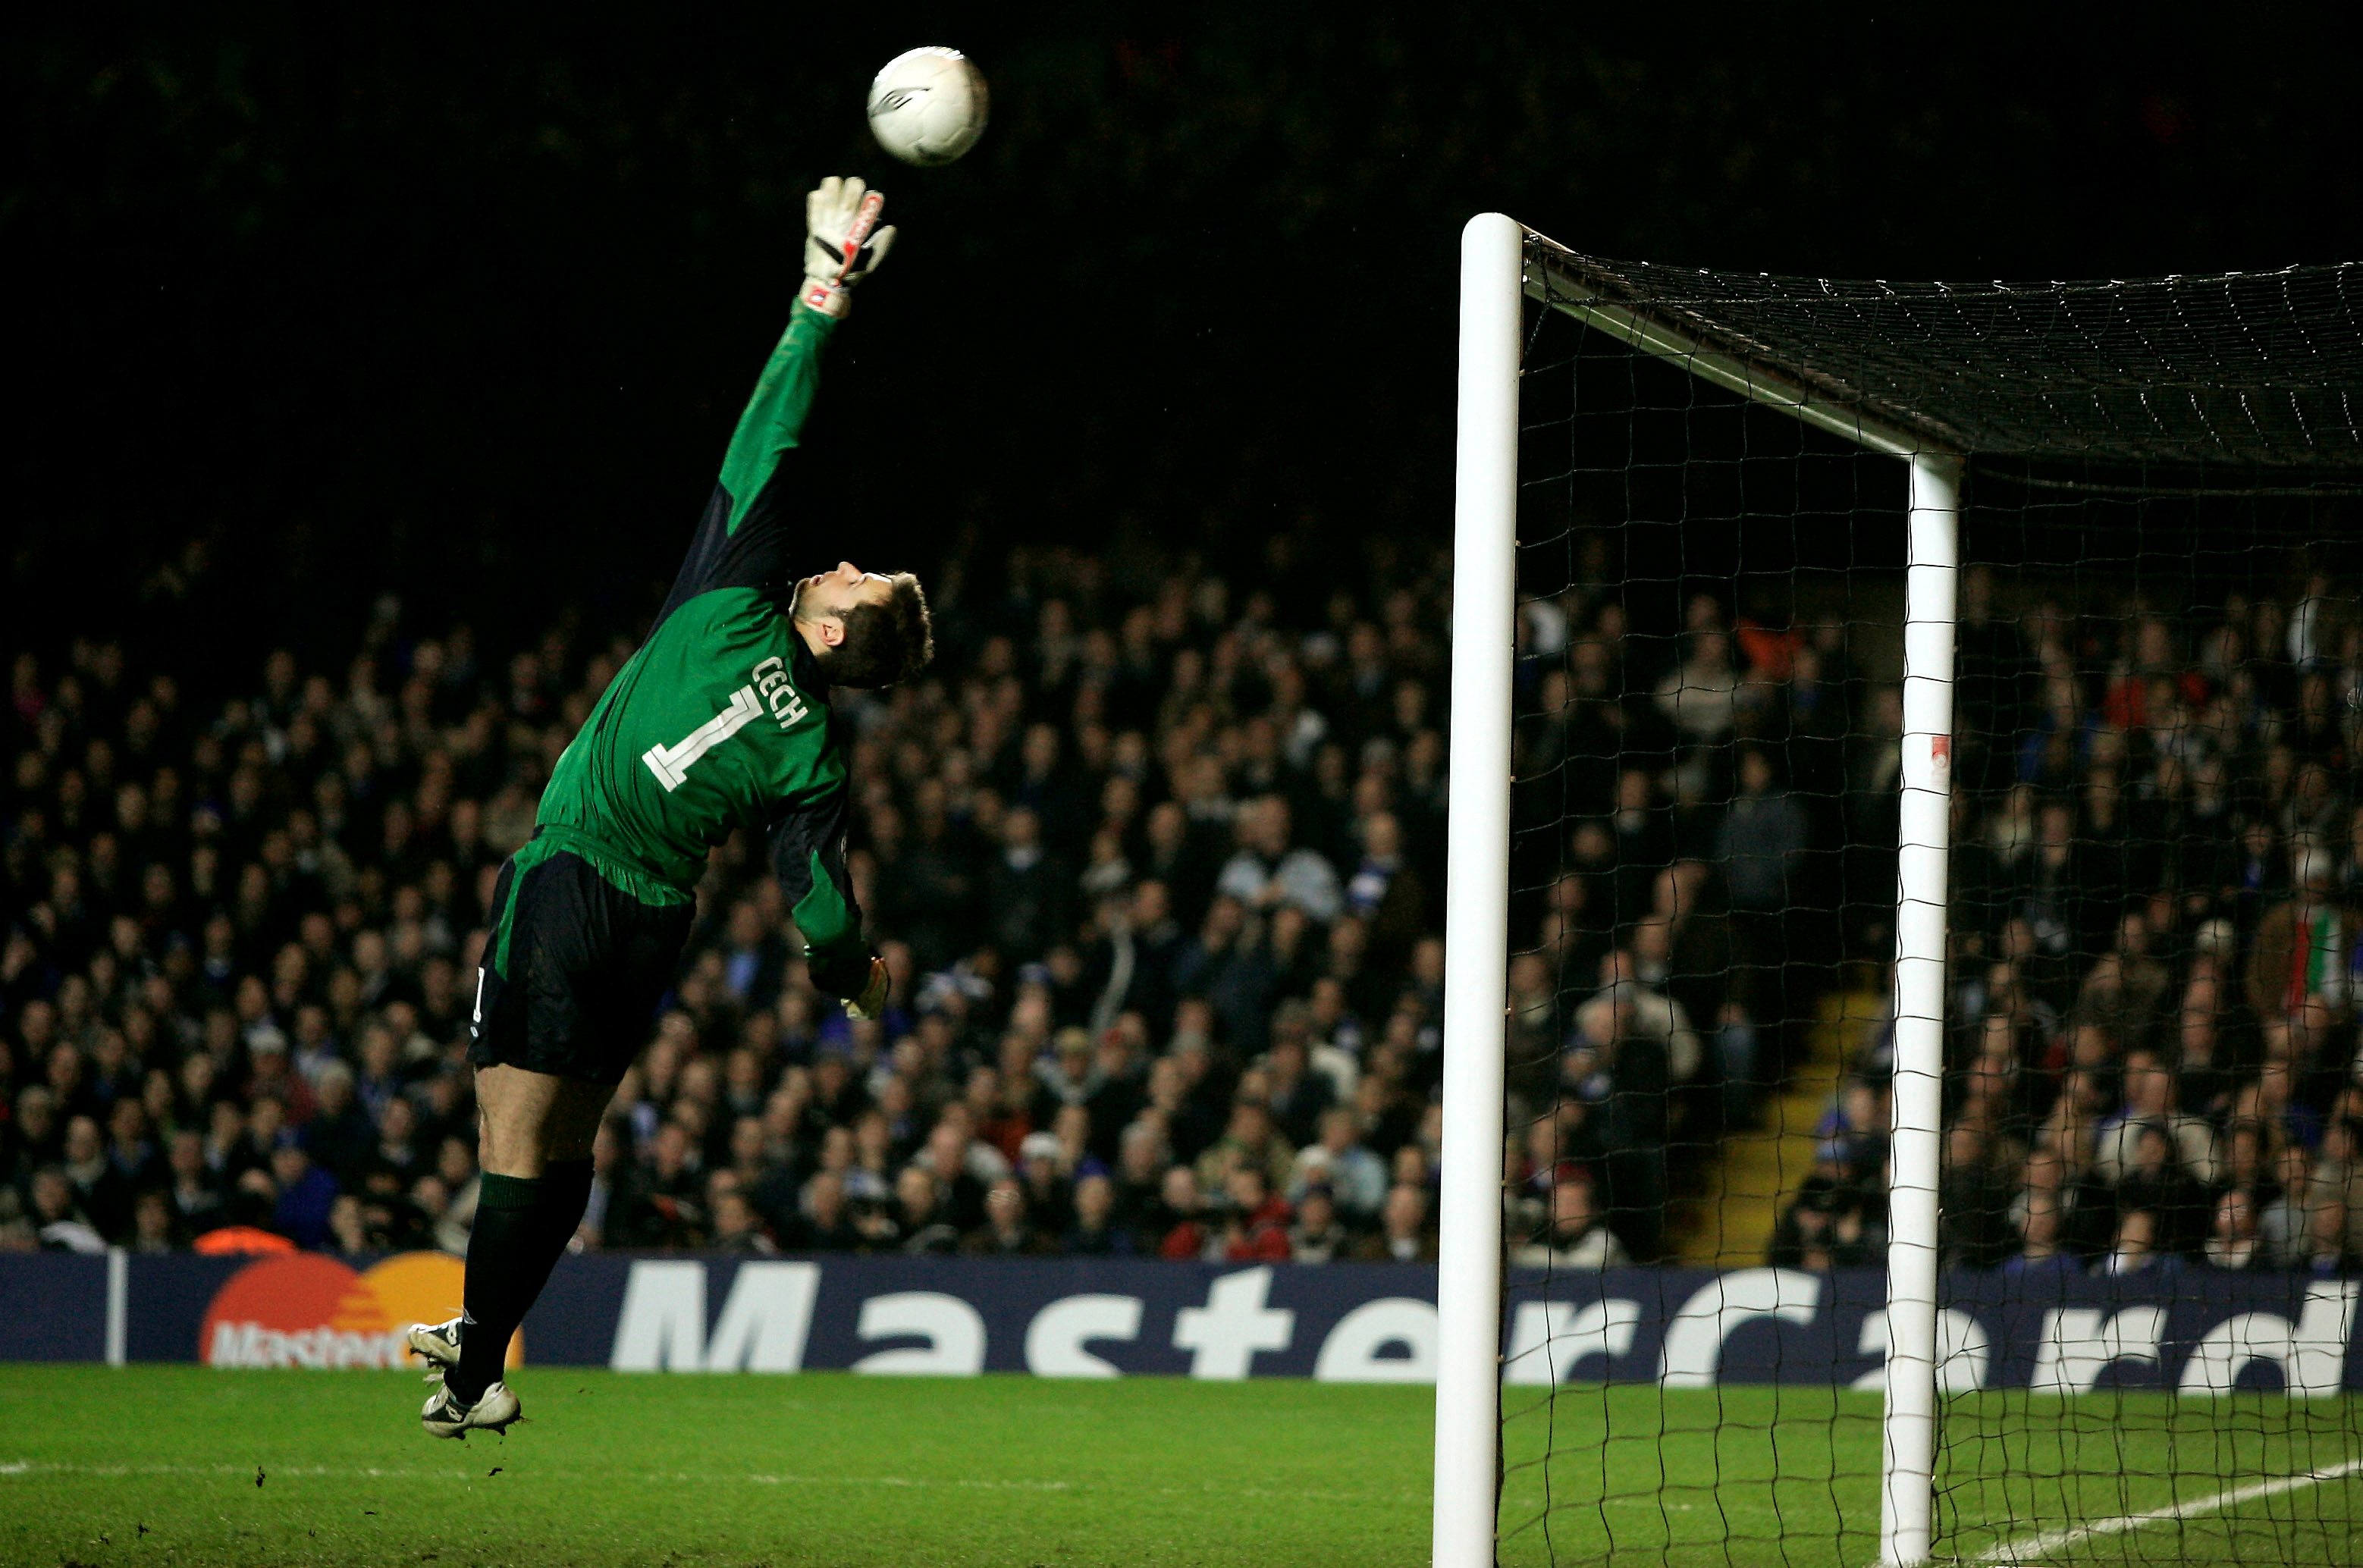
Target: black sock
[[565, 1194], [522, 1226]]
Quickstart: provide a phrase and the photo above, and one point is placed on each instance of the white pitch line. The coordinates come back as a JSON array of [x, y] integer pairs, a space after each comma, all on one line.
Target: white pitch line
[[374, 1472], [2050, 1541], [27, 1468]]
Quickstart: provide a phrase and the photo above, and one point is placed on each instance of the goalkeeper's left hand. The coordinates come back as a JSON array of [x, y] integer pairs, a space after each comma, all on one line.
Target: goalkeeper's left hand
[[873, 999], [843, 243]]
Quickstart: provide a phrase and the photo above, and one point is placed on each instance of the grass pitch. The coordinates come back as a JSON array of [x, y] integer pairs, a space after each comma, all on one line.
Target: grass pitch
[[681, 1470], [1603, 1476], [159, 1465]]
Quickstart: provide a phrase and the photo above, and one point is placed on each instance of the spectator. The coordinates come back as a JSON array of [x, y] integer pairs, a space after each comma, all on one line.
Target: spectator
[[2040, 1252], [2152, 1101], [1385, 890], [1701, 695], [195, 1194], [39, 1136], [58, 1219], [825, 1226], [349, 1227], [1026, 889], [1045, 1169], [1267, 874], [1575, 1239], [2303, 943], [2136, 1249], [1353, 1179], [1973, 1213], [1145, 1152], [100, 1193], [2338, 1171], [1182, 1212], [1619, 1068], [2326, 1223], [1297, 1097], [737, 1228], [306, 1194], [664, 1200], [1250, 1140], [1762, 841], [1317, 1237], [1405, 1234], [963, 1166], [1095, 1233], [130, 1153], [2157, 1184], [606, 1161], [338, 1135], [754, 957], [2232, 1242], [1626, 1008], [152, 1226], [1256, 1229], [922, 1220], [1006, 1232]]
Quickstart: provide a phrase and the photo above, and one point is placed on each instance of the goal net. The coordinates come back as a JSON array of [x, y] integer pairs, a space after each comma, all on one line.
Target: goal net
[[1923, 1115]]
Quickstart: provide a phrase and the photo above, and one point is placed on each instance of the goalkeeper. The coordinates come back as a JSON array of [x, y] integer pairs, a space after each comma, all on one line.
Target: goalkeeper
[[720, 722]]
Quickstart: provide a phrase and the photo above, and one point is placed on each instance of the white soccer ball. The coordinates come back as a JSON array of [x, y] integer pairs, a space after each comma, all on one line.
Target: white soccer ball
[[928, 106]]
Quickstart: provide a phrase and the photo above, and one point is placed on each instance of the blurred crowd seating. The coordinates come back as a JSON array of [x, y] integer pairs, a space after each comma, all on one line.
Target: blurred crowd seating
[[1158, 869]]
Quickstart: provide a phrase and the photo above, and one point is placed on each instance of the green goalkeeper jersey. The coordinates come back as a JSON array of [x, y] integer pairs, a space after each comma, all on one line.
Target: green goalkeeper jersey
[[721, 720]]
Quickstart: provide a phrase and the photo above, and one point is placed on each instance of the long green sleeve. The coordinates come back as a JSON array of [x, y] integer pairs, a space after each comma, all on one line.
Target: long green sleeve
[[775, 414]]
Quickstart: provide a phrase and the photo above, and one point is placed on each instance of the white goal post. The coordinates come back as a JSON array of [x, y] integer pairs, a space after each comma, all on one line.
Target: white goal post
[[1493, 287], [1477, 893]]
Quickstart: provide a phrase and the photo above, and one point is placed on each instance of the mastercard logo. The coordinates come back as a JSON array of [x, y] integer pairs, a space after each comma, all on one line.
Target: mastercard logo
[[303, 1309]]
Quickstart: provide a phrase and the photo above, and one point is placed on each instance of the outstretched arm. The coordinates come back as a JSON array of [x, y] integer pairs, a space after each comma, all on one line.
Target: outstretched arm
[[843, 245], [740, 540], [774, 418]]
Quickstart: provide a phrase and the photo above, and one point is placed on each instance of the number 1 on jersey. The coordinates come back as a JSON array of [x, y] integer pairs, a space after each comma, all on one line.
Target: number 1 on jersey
[[672, 764]]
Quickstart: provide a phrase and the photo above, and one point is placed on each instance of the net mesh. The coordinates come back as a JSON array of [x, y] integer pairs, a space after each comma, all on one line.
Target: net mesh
[[2259, 369], [2150, 1031], [2150, 1137]]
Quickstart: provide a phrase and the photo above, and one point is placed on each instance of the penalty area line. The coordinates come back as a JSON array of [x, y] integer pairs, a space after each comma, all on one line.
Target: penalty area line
[[2050, 1541]]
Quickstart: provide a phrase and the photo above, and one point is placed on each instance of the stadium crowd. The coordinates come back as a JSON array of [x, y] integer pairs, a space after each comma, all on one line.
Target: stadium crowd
[[1157, 870], [2152, 1051], [1156, 881]]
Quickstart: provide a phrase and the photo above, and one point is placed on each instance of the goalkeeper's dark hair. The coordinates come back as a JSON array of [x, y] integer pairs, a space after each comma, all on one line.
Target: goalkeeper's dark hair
[[885, 643]]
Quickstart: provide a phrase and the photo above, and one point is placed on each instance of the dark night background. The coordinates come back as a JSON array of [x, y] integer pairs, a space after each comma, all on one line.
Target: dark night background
[[463, 304]]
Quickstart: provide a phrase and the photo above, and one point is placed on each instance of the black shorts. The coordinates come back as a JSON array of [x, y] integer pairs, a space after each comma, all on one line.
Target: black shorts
[[585, 966]]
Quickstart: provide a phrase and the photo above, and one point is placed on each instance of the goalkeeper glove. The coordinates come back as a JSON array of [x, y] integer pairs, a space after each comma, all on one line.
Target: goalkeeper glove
[[843, 243], [859, 979], [872, 1002]]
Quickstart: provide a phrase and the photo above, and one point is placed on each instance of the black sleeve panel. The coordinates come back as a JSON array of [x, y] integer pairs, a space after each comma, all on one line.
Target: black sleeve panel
[[808, 857], [755, 555]]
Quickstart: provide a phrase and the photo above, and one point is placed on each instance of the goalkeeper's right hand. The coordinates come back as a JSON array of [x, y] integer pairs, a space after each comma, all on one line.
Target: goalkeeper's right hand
[[873, 999], [843, 243]]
